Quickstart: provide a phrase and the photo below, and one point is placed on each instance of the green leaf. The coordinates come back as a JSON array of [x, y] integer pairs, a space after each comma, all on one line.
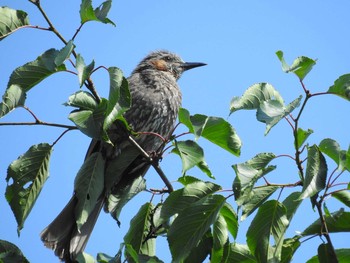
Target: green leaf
[[11, 20], [254, 96], [301, 66], [14, 97], [272, 111], [337, 222], [181, 199], [139, 229], [316, 173], [11, 253], [83, 257], [256, 197], [271, 220], [64, 53], [248, 173], [87, 13], [238, 253], [32, 73], [117, 200], [90, 122], [84, 71], [88, 186], [191, 155], [220, 233], [343, 196], [119, 99], [343, 256], [25, 179], [231, 219], [341, 87], [202, 250], [214, 129], [332, 149], [290, 245], [185, 180], [292, 203], [302, 135], [82, 100], [191, 224]]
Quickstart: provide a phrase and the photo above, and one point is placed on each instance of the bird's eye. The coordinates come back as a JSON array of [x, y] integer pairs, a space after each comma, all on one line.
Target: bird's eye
[[167, 58]]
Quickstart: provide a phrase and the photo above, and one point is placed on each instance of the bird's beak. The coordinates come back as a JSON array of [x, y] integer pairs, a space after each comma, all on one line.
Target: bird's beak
[[189, 65]]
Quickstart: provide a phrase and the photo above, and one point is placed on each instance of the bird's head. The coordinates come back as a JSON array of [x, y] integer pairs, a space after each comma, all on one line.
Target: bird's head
[[166, 62]]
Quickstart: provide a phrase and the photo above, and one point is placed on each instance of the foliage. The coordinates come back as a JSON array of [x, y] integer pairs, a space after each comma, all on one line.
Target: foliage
[[200, 220]]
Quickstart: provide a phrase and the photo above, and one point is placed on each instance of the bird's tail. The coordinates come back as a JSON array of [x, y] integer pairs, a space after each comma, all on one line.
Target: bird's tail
[[62, 235]]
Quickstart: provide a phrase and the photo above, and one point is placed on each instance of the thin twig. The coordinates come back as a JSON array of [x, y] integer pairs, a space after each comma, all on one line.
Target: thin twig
[[154, 163], [38, 123]]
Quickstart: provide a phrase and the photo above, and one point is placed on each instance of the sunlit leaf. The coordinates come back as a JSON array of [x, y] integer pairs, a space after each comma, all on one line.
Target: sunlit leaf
[[337, 222], [220, 233], [191, 155], [332, 149], [231, 219], [343, 196], [272, 111], [87, 13], [84, 71], [84, 258], [11, 20], [31, 73], [316, 173], [301, 66], [238, 253], [25, 179], [191, 224], [140, 226], [181, 199], [64, 53], [341, 87], [216, 130], [248, 173], [14, 97], [271, 220], [254, 96], [82, 100], [88, 186], [302, 136]]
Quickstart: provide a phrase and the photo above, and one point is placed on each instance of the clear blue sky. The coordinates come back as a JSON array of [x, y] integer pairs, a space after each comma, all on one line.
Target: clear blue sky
[[238, 41]]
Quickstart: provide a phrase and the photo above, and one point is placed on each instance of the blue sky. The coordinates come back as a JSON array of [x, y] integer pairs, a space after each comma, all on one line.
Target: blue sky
[[238, 41]]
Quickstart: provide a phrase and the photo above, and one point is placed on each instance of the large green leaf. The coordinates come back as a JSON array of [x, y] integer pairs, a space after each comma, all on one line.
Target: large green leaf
[[272, 111], [316, 173], [202, 250], [343, 196], [341, 87], [238, 253], [181, 199], [290, 245], [11, 253], [336, 222], [248, 173], [116, 201], [220, 233], [254, 96], [87, 13], [231, 219], [301, 66], [332, 149], [256, 197], [214, 129], [31, 73], [25, 178], [90, 122], [271, 220], [140, 226], [14, 97], [88, 186], [343, 255], [191, 155], [191, 224], [11, 20], [82, 100], [119, 99]]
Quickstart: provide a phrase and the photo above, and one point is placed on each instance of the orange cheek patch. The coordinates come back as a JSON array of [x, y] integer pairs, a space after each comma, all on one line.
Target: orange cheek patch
[[159, 64]]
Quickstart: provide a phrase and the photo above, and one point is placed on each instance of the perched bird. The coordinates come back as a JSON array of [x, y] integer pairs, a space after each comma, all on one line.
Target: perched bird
[[156, 99]]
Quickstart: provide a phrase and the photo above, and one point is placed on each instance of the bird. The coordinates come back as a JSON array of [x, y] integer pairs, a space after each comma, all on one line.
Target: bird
[[155, 102]]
